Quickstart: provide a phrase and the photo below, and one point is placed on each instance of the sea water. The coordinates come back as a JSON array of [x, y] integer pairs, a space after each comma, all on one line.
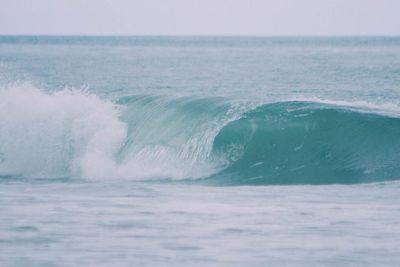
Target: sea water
[[199, 151]]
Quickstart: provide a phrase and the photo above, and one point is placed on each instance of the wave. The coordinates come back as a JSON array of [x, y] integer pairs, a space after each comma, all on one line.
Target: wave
[[73, 134], [309, 143]]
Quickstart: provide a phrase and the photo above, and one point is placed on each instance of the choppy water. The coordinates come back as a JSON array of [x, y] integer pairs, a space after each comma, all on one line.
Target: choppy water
[[172, 151]]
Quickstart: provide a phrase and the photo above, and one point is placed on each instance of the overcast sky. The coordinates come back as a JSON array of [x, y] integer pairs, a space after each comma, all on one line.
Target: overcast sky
[[200, 17]]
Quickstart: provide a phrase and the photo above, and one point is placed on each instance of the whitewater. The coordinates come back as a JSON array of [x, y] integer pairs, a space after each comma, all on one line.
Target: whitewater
[[199, 151]]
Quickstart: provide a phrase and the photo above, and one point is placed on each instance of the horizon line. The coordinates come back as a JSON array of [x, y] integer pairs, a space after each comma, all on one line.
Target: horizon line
[[205, 35]]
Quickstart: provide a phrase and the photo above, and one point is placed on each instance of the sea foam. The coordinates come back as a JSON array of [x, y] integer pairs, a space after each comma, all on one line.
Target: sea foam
[[60, 134]]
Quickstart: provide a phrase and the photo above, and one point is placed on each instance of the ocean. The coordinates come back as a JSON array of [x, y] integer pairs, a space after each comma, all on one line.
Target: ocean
[[199, 151]]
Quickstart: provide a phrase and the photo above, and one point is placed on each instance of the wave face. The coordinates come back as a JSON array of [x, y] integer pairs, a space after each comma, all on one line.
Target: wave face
[[171, 138], [309, 143], [74, 134]]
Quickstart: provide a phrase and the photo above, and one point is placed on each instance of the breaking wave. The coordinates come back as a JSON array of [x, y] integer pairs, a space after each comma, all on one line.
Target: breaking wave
[[73, 134]]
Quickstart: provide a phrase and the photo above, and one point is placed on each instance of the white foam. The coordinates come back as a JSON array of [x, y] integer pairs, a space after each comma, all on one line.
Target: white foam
[[71, 133], [57, 134], [384, 108]]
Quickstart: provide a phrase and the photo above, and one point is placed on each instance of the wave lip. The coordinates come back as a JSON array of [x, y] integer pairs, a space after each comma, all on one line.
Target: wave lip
[[308, 143]]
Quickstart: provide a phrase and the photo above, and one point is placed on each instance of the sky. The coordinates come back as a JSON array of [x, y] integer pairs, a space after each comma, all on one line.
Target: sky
[[200, 17]]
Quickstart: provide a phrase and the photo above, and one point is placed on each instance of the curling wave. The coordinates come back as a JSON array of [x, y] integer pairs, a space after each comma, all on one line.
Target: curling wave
[[74, 134], [309, 143]]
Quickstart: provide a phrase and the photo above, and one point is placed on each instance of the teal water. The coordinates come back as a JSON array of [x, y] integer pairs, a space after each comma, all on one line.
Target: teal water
[[199, 151]]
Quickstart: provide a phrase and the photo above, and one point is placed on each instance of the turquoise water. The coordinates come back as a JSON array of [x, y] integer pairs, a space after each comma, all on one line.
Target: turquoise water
[[199, 151]]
